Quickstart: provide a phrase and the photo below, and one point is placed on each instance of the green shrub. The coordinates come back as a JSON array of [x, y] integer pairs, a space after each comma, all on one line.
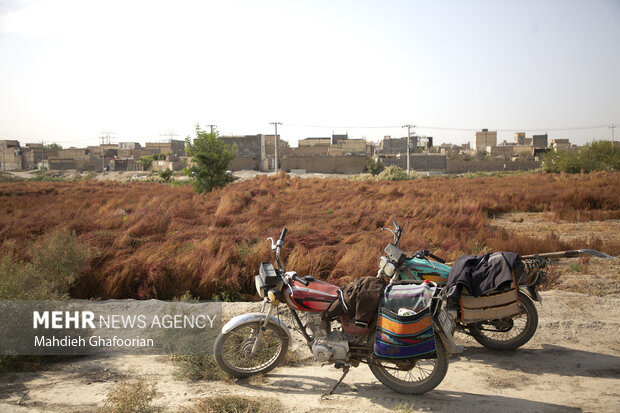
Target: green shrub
[[146, 162], [166, 175], [394, 173], [55, 261], [374, 167]]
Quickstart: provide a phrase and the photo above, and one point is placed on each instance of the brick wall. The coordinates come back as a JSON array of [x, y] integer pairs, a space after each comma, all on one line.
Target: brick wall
[[419, 162], [325, 164], [458, 166], [244, 162]]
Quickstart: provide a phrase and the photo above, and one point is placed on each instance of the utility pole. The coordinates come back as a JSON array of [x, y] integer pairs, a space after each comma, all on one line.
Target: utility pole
[[212, 127], [43, 155], [106, 134], [612, 127], [408, 145], [102, 159], [275, 139]]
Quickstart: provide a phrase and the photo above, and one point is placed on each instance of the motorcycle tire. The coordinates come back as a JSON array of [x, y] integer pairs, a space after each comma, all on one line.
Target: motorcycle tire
[[232, 350], [520, 331], [412, 376]]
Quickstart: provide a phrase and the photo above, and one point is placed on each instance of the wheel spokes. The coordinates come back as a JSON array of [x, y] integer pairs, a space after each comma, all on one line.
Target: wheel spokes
[[419, 372], [238, 346]]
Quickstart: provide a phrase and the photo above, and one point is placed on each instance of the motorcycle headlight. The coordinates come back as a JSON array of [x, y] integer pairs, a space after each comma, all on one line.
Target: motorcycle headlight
[[382, 262], [386, 266], [260, 287], [389, 269]]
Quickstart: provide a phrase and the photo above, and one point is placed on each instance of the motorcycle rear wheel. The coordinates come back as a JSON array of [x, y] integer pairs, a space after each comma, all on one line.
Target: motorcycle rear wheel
[[415, 376], [510, 333], [233, 349]]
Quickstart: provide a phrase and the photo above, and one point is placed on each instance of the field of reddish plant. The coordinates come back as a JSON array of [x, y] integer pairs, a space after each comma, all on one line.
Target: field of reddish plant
[[151, 240]]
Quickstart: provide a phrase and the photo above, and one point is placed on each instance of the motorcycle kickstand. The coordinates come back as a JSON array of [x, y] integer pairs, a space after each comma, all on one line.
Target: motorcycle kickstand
[[345, 370]]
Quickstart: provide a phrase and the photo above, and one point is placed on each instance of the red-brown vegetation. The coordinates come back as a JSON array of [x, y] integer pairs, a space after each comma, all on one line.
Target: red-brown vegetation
[[152, 240]]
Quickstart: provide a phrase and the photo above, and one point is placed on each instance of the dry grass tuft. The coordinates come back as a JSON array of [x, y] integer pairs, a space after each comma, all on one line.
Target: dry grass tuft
[[129, 396], [236, 404]]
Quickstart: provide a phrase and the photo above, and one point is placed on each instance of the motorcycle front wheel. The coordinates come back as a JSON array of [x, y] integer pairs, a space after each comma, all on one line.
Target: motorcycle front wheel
[[233, 350], [415, 376], [508, 333]]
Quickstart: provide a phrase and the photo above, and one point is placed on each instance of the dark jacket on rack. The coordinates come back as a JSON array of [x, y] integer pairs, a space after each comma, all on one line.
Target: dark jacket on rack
[[357, 300], [483, 273]]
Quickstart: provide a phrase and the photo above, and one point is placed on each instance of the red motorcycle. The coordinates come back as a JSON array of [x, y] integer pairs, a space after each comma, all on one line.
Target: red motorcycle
[[256, 343]]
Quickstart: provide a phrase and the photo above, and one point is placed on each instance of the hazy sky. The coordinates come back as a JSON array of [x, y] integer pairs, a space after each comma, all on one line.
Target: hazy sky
[[72, 69]]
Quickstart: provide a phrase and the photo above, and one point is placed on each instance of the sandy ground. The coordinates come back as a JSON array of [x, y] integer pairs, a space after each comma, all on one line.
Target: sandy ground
[[572, 364]]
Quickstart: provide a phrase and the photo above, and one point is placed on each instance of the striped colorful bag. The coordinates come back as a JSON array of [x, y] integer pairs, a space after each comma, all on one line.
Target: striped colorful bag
[[406, 336]]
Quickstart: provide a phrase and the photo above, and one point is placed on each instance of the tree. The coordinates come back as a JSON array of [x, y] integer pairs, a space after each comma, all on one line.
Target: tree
[[374, 167], [600, 156], [482, 155], [146, 162], [52, 147], [211, 158], [166, 174], [595, 156]]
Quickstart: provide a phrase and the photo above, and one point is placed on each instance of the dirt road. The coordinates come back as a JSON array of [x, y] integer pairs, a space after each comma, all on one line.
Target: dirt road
[[572, 364]]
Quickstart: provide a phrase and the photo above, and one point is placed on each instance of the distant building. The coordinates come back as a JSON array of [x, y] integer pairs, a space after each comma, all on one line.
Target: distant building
[[485, 138], [10, 155], [391, 145], [540, 141], [560, 144], [349, 146], [505, 151], [319, 150], [314, 142], [522, 150], [338, 138], [426, 142], [255, 152], [174, 147], [520, 138], [250, 151], [126, 150]]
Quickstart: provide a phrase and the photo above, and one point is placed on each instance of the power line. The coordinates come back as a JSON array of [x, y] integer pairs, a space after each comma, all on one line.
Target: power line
[[341, 127], [568, 128]]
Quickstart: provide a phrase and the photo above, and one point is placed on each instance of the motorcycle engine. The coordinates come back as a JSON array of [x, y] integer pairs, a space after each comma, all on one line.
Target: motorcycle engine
[[333, 348]]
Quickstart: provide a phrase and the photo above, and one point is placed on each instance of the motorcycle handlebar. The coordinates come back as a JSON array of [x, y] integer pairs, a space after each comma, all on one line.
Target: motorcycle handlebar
[[436, 258], [427, 253], [301, 280]]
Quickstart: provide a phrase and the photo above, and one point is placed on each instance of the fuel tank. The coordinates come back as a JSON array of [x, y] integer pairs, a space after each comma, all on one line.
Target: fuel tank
[[315, 297], [421, 269]]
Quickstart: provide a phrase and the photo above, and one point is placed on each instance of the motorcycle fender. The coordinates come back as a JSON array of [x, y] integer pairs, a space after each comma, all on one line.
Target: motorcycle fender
[[254, 317], [532, 293]]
